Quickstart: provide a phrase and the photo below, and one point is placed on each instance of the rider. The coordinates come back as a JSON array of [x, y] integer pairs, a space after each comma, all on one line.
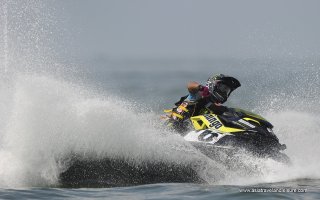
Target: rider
[[201, 98]]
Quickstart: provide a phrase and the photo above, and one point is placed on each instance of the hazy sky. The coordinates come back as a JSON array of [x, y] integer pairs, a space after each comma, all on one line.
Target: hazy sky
[[195, 28]]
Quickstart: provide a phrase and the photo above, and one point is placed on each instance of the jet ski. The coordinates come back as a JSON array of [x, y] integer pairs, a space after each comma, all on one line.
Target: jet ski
[[232, 131]]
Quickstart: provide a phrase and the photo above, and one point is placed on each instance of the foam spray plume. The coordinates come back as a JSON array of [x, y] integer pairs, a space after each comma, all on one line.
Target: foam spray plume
[[49, 121], [293, 109], [45, 119]]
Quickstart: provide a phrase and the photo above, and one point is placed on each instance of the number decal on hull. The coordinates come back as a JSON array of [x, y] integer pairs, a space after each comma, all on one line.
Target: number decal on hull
[[214, 122]]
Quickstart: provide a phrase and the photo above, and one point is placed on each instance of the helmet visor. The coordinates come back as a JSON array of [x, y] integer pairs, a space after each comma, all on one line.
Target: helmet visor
[[223, 89]]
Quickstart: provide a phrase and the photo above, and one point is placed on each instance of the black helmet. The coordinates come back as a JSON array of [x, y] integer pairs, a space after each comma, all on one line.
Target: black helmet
[[221, 86]]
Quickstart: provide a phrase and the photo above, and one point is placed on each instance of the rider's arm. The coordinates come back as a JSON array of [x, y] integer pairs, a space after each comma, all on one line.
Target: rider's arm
[[196, 91], [193, 87]]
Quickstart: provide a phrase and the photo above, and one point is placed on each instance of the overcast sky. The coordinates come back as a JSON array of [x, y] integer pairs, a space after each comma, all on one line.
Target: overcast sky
[[194, 28]]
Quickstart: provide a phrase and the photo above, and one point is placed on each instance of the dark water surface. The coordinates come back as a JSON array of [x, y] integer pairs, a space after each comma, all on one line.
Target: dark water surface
[[299, 189]]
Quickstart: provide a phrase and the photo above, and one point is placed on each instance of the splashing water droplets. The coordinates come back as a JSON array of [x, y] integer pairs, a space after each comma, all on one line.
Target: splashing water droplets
[[4, 35]]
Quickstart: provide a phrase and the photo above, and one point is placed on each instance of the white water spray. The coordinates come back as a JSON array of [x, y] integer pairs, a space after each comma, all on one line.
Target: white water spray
[[4, 25], [51, 119], [5, 38]]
